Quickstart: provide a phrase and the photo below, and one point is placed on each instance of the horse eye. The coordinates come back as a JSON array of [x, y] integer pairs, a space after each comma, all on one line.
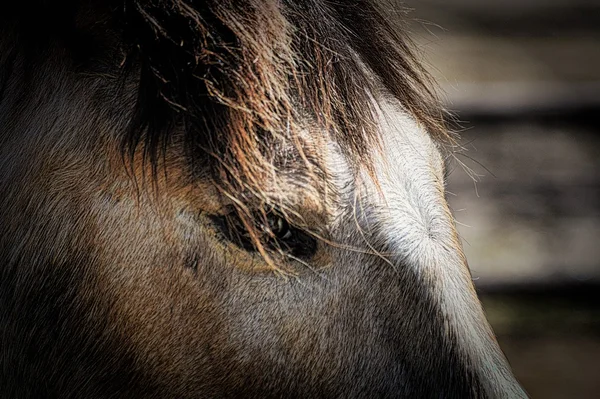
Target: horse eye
[[276, 234], [279, 227]]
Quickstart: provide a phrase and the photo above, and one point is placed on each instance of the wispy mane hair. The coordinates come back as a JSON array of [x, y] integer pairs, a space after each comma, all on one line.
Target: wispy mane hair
[[241, 74]]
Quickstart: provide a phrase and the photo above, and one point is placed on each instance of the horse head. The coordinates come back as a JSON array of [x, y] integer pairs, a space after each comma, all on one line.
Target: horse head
[[228, 199]]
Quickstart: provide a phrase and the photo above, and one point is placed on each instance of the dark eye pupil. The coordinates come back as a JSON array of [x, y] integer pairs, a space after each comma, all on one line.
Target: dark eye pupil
[[279, 227]]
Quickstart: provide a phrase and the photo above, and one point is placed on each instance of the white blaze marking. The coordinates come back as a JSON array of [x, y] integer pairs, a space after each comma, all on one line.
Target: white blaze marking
[[411, 210]]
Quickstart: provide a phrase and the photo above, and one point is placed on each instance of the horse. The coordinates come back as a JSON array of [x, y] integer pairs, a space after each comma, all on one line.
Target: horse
[[226, 198]]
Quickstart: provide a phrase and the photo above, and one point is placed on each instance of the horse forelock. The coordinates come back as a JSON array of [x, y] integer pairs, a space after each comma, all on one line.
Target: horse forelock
[[247, 77]]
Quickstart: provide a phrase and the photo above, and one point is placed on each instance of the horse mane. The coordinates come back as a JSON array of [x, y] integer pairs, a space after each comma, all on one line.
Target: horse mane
[[242, 76], [239, 74]]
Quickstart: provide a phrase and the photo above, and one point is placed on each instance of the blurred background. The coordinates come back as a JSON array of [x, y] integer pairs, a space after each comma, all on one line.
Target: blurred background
[[523, 77]]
